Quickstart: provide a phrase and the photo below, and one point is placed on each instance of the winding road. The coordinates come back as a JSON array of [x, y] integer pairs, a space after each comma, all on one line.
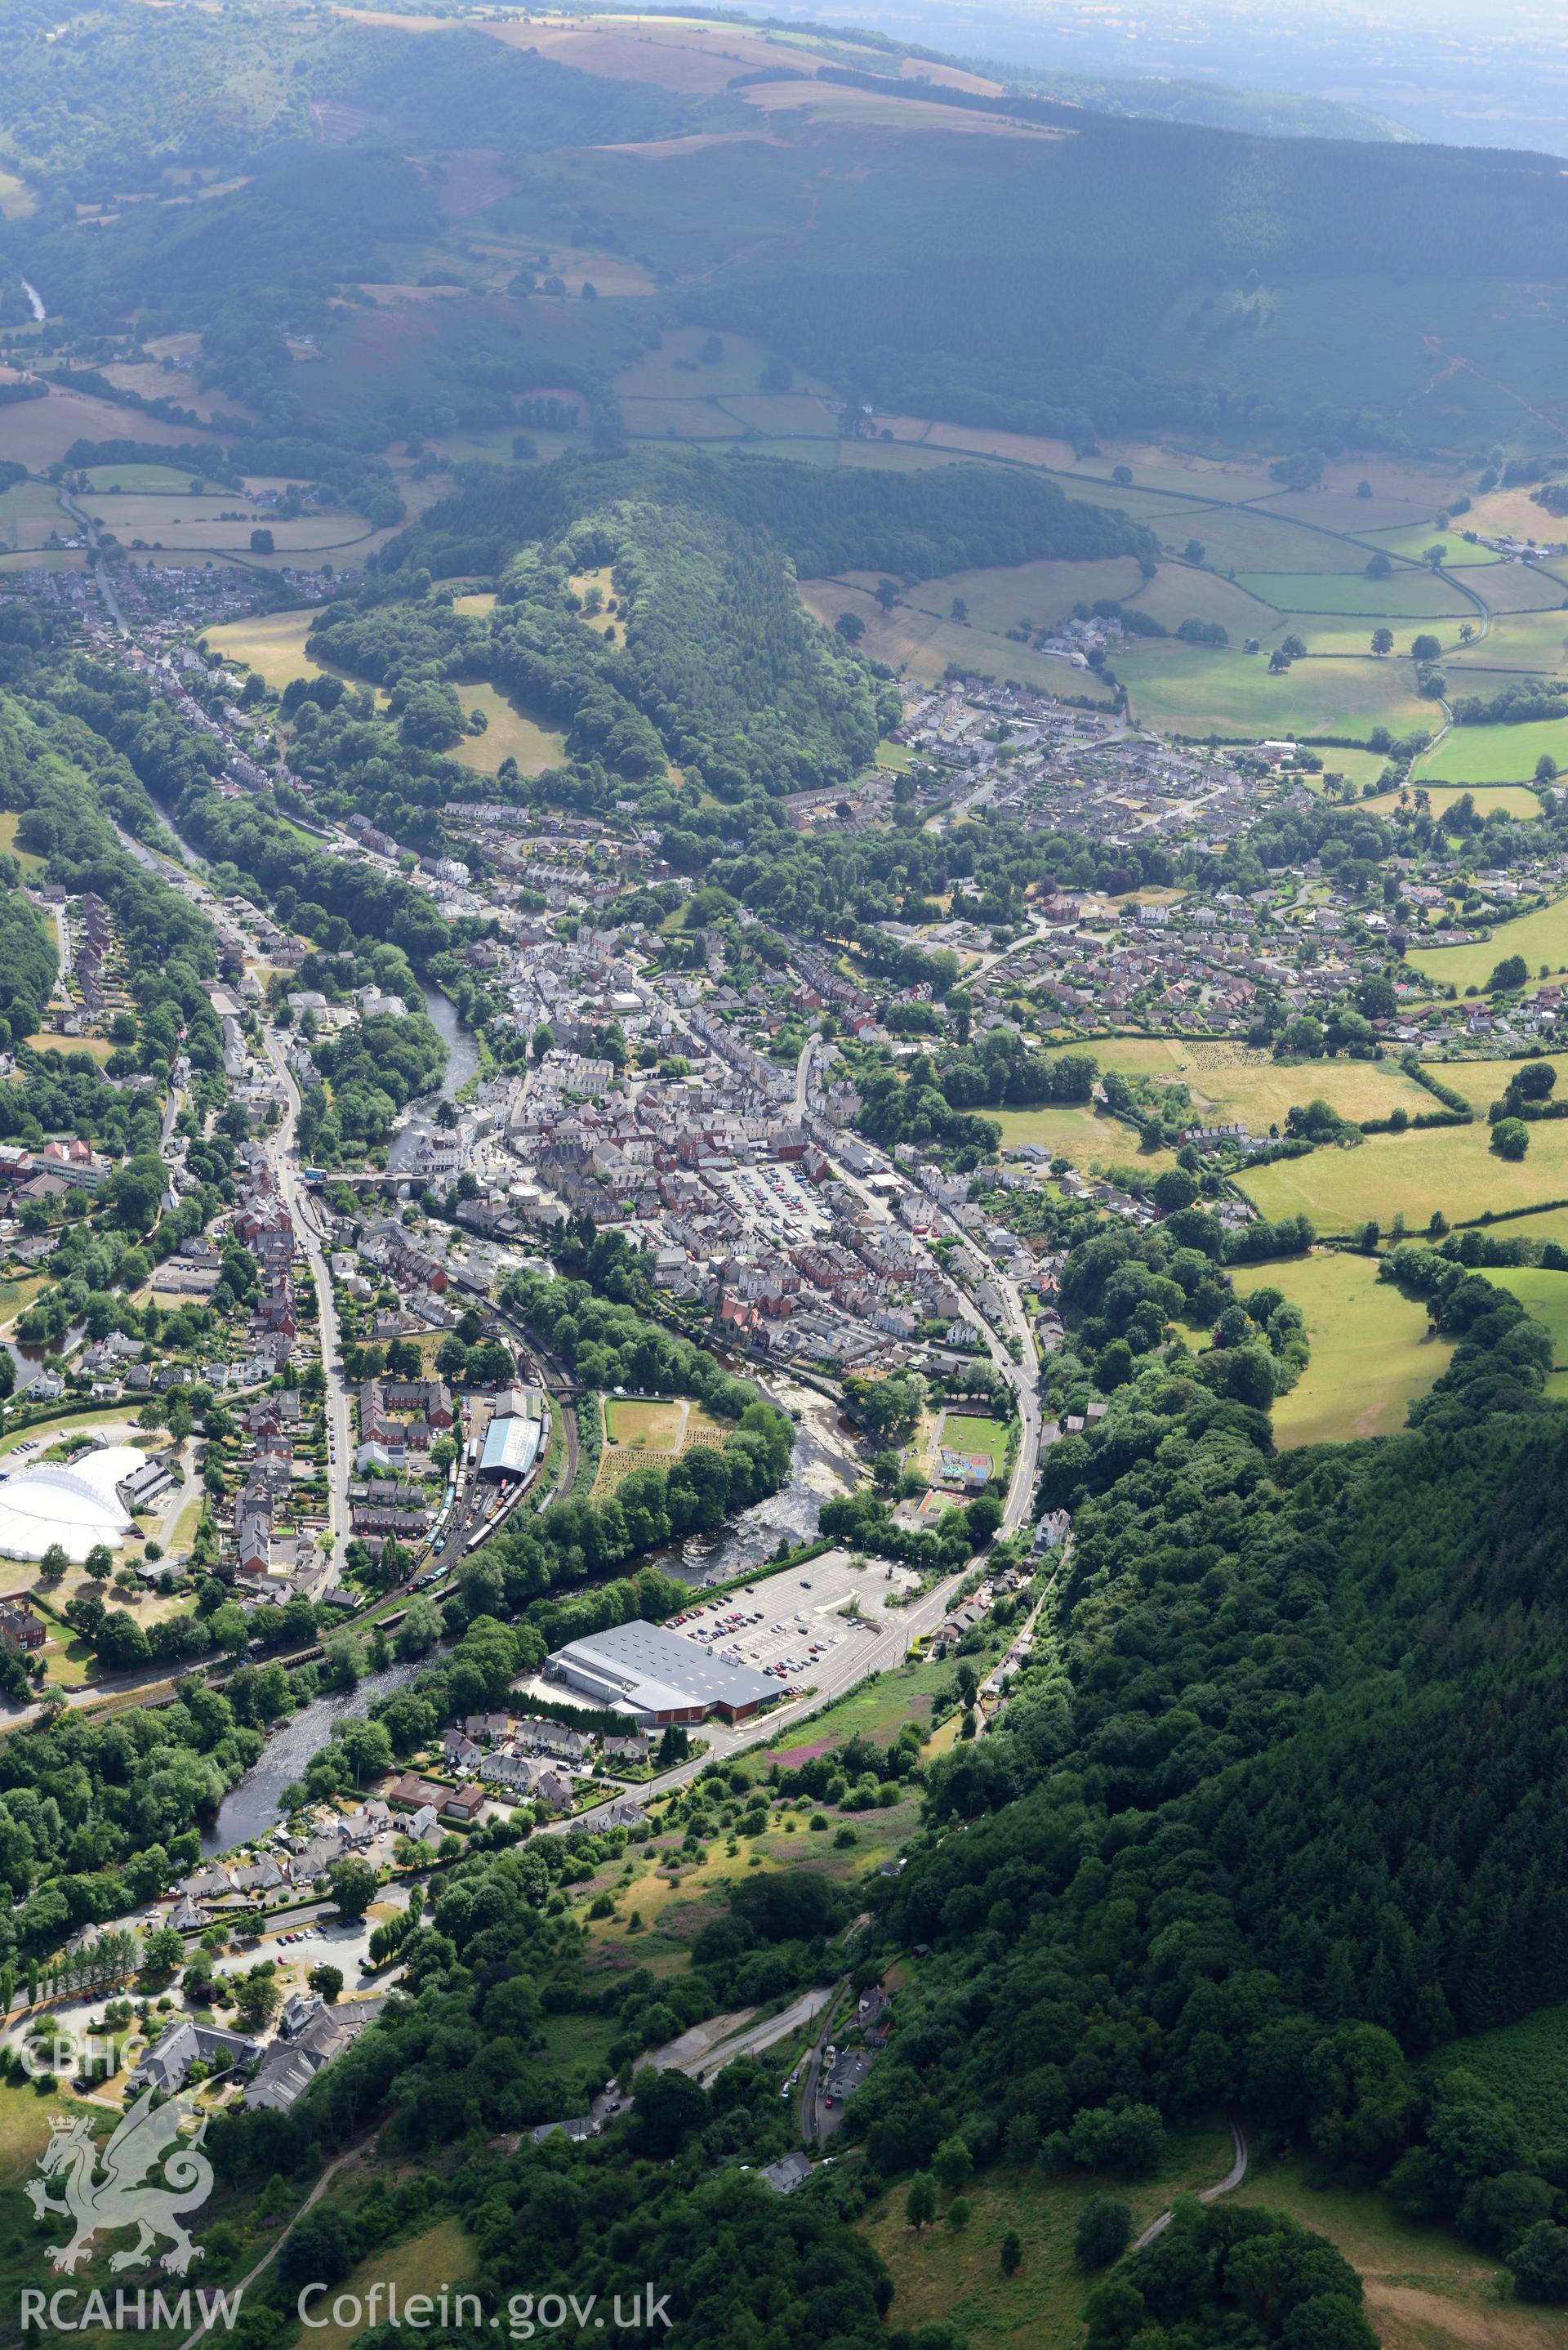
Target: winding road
[[1234, 2177]]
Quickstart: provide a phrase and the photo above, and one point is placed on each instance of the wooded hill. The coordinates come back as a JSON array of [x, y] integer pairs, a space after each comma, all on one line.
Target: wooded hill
[[710, 657]]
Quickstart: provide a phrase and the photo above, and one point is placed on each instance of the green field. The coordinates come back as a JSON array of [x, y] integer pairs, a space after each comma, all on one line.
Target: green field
[[1372, 1349], [1085, 1136], [1408, 595], [1536, 643], [1251, 538], [444, 2254], [1177, 592], [963, 1432], [511, 733], [1413, 541], [1544, 1297], [1518, 587], [1483, 1082], [272, 643], [1261, 1091], [957, 2279], [1450, 1167], [1491, 799], [1008, 596], [148, 480], [1493, 755], [1194, 690], [1541, 938]]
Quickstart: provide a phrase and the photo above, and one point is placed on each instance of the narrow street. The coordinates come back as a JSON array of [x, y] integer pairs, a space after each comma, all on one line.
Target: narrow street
[[283, 1155]]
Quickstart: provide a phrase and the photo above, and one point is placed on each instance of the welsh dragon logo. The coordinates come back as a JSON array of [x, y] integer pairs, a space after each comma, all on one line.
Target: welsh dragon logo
[[123, 2196]]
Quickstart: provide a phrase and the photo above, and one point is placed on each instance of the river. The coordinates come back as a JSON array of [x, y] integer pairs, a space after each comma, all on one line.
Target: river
[[462, 1061], [821, 1466], [255, 1806], [37, 300]]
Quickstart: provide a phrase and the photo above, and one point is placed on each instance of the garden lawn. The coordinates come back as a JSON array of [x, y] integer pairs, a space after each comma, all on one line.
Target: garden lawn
[[1540, 936], [1493, 755], [1372, 1350], [1453, 1169]]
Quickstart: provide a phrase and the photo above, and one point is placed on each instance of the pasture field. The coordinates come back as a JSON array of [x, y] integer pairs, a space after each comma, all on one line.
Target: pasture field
[[1406, 595], [1413, 541], [38, 433], [964, 1432], [52, 560], [1424, 2289], [957, 2279], [1534, 641], [477, 605], [1178, 593], [29, 511], [1197, 690], [785, 414], [1544, 1297], [1511, 514], [1540, 938], [1493, 755], [1249, 538], [512, 733], [1342, 510], [1350, 633], [1262, 1092], [1491, 799], [272, 643], [1450, 1167], [1483, 1082], [691, 419], [1358, 767], [1518, 587], [1373, 1351], [918, 642], [147, 481], [1005, 596], [878, 456], [1080, 1133], [16, 198], [188, 531]]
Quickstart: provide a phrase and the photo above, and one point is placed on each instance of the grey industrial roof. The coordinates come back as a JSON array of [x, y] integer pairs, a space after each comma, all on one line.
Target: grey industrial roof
[[655, 1669], [512, 1445]]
